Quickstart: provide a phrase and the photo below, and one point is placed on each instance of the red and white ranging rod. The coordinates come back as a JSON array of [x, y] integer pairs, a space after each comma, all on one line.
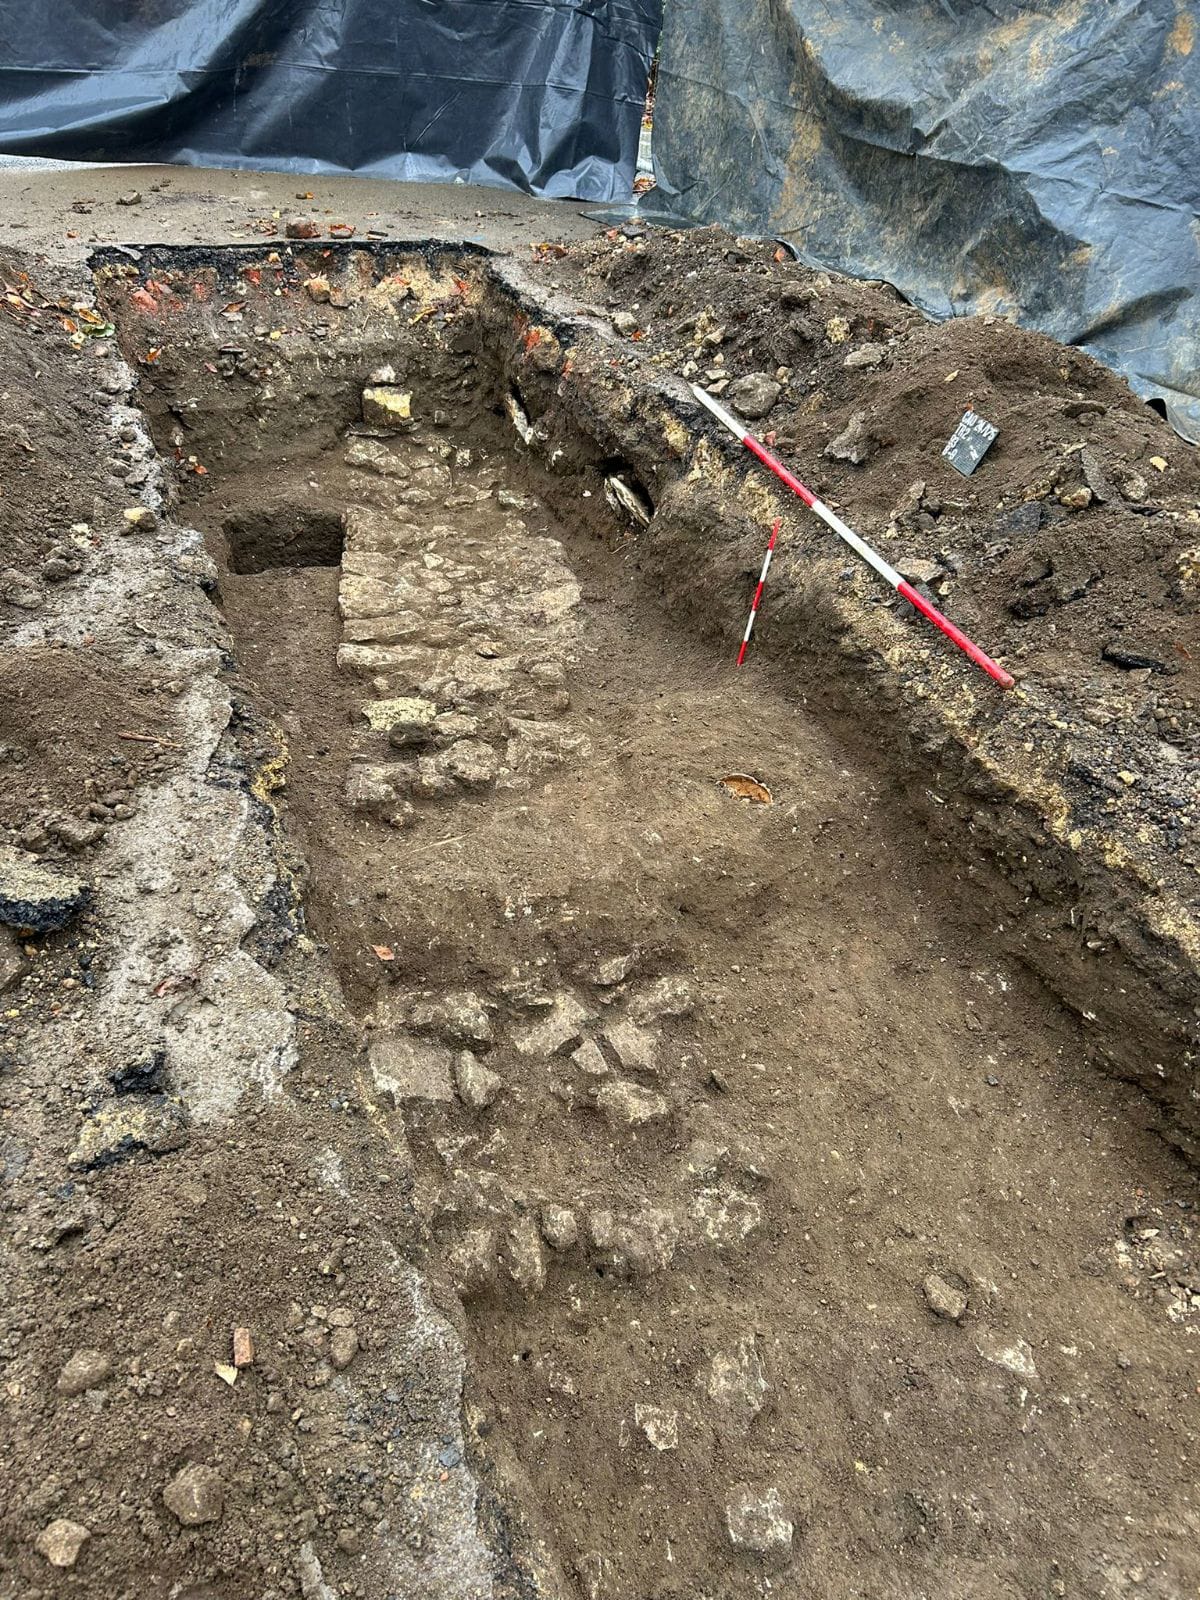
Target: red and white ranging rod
[[758, 593], [859, 546]]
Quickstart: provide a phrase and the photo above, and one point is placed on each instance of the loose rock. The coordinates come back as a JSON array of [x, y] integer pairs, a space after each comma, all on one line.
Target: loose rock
[[408, 713], [471, 763], [613, 970], [757, 1523], [855, 443], [14, 963], [302, 228], [627, 1103], [943, 1299], [343, 1347], [633, 1047], [473, 1261], [917, 571], [560, 1227], [459, 1017], [195, 1495], [477, 1085], [554, 1033], [754, 395], [589, 1058], [1012, 1354], [867, 355], [61, 1541], [525, 1258], [311, 1575], [667, 997], [385, 406], [411, 1069], [737, 1384], [659, 1425], [87, 1369]]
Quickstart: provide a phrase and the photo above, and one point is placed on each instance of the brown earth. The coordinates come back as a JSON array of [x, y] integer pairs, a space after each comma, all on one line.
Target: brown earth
[[861, 1109], [1062, 593]]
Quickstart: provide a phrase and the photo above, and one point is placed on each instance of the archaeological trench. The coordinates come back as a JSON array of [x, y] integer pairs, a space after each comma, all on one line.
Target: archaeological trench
[[620, 1188]]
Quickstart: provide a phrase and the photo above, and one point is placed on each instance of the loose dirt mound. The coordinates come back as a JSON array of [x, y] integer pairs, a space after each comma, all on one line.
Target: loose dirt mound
[[1074, 550]]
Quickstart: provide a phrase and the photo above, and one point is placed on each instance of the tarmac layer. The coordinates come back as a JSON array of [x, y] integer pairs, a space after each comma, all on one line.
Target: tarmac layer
[[65, 211]]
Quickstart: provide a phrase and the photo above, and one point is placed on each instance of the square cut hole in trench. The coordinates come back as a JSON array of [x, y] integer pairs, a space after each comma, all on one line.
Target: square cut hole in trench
[[286, 534]]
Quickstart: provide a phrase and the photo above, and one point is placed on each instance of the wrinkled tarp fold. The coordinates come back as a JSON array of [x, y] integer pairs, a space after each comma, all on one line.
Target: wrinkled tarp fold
[[1041, 161], [541, 95]]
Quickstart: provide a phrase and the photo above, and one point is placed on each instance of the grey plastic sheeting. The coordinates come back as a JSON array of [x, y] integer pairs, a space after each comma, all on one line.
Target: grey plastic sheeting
[[541, 95], [1036, 161]]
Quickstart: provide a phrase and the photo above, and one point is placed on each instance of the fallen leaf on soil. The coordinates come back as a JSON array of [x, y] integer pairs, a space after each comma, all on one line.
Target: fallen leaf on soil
[[1158, 463], [384, 952], [747, 788], [226, 1374]]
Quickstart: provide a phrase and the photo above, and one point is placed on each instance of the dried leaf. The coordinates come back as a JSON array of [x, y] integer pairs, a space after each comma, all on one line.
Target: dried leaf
[[384, 952], [226, 1374], [747, 788]]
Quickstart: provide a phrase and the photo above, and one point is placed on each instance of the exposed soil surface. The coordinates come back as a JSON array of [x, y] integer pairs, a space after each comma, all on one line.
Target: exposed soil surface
[[1072, 549], [629, 1189]]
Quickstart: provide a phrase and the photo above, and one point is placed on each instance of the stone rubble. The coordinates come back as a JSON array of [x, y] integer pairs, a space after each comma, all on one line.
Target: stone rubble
[[757, 1523]]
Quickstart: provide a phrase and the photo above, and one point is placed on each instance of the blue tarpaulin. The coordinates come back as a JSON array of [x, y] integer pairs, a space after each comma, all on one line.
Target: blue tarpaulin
[[543, 95], [1038, 161]]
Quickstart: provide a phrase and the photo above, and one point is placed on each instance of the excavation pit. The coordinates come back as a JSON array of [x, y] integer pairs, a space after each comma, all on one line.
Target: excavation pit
[[287, 535], [700, 1120]]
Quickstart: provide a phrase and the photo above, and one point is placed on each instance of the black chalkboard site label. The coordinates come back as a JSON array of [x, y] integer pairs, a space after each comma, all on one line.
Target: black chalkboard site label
[[970, 442]]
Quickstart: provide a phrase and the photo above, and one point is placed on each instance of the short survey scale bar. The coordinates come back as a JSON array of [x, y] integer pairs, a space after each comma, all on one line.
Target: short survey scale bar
[[757, 601], [860, 546]]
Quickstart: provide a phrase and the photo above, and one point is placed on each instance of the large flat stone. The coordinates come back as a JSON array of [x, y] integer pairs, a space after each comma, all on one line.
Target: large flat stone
[[412, 1069]]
